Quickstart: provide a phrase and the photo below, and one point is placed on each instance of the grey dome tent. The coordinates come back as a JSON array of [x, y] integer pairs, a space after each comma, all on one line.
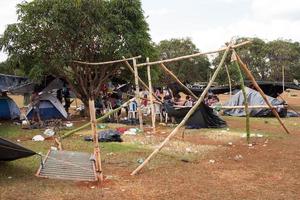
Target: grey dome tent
[[11, 151], [254, 98], [8, 109]]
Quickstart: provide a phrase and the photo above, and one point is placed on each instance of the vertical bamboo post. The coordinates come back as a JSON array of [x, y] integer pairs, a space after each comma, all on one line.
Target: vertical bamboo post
[[234, 59], [151, 97], [137, 94], [283, 79], [229, 81], [251, 77], [177, 80], [191, 111], [95, 139]]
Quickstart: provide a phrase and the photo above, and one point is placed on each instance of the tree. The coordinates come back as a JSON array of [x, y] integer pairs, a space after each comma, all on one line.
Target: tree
[[266, 59], [50, 35], [191, 70]]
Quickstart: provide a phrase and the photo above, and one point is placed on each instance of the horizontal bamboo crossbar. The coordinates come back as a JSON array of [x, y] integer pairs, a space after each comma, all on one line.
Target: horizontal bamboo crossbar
[[107, 62], [250, 107], [191, 56]]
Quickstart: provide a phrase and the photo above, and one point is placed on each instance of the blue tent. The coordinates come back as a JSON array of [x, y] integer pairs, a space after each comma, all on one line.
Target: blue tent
[[50, 108], [8, 109]]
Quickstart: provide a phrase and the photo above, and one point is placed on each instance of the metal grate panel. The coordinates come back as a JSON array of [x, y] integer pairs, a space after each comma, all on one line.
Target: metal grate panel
[[68, 165]]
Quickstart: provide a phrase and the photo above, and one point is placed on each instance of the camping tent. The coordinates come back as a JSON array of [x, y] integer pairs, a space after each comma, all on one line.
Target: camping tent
[[254, 98], [50, 108], [203, 117], [12, 151], [8, 109]]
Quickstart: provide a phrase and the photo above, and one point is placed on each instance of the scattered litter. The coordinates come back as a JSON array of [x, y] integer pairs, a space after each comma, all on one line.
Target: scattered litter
[[189, 150], [92, 187], [163, 124], [109, 177], [223, 131], [163, 132], [140, 160], [10, 177], [211, 161], [230, 143], [185, 160], [123, 190], [121, 129], [110, 154], [101, 126], [227, 129], [238, 157], [53, 148], [250, 145], [18, 140], [49, 132], [106, 136], [259, 135], [38, 138], [69, 124]]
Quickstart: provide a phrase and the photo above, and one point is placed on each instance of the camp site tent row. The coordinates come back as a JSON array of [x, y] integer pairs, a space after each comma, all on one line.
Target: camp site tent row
[[11, 151]]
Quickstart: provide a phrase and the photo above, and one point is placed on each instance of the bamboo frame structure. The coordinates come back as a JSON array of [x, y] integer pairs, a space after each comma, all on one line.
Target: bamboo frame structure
[[106, 62], [137, 94], [191, 111], [249, 107], [251, 77], [229, 81], [151, 97]]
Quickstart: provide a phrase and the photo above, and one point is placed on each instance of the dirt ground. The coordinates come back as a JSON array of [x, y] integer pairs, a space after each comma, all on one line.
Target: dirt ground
[[204, 164]]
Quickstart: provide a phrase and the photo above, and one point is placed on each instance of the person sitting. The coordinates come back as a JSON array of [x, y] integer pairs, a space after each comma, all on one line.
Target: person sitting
[[188, 101]]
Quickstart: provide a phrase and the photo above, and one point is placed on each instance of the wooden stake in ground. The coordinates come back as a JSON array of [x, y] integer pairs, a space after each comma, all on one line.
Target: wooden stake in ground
[[95, 140], [177, 80], [151, 97], [137, 94], [251, 77], [191, 111], [234, 60]]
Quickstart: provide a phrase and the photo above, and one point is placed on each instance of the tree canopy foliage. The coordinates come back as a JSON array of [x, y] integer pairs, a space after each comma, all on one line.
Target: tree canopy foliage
[[52, 34], [266, 60], [191, 70]]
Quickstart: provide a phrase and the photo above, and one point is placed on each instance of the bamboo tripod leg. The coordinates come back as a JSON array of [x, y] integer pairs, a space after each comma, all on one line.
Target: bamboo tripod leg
[[137, 94], [151, 97], [95, 139], [251, 77], [192, 110], [177, 80]]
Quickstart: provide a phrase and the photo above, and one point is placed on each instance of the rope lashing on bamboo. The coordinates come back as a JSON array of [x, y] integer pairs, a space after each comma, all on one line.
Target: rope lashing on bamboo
[[106, 62]]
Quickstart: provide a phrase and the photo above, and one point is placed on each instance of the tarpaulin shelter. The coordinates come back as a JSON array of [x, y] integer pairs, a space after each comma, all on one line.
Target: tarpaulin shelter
[[9, 82], [254, 98], [11, 151], [203, 117], [8, 109], [50, 108]]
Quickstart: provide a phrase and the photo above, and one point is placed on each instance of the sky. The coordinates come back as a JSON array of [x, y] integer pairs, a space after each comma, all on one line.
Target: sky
[[209, 23]]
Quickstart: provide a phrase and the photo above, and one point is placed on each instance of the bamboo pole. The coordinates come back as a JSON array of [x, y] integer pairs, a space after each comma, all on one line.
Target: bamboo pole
[[283, 79], [141, 81], [229, 81], [191, 111], [177, 80], [151, 98], [98, 120], [107, 62], [192, 55], [250, 76], [95, 140], [137, 94], [249, 107], [234, 59]]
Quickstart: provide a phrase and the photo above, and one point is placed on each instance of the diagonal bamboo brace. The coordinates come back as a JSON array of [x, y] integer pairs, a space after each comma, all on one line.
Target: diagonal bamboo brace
[[251, 77]]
